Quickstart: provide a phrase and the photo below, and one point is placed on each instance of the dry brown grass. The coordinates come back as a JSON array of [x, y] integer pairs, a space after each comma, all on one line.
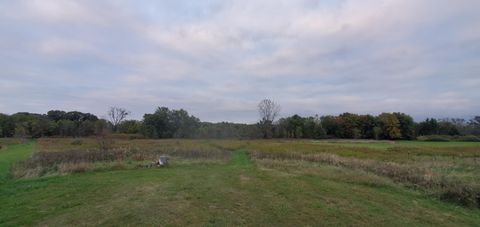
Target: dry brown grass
[[419, 177], [427, 166], [62, 144], [10, 141], [80, 155]]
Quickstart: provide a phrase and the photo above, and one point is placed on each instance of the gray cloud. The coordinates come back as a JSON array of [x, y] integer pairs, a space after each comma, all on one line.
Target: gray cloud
[[217, 59]]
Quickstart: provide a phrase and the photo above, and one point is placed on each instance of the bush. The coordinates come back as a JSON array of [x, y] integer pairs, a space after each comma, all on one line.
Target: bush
[[77, 142], [80, 167], [45, 159], [105, 143], [459, 193]]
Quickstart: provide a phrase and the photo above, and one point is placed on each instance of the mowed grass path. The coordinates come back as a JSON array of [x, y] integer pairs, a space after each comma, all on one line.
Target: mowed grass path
[[237, 193], [11, 154]]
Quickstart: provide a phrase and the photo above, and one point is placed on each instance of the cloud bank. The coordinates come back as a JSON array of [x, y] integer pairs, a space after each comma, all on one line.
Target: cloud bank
[[218, 59]]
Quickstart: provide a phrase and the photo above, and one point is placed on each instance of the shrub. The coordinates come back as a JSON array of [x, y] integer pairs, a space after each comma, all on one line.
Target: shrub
[[105, 143], [45, 159], [77, 142], [74, 167], [459, 192]]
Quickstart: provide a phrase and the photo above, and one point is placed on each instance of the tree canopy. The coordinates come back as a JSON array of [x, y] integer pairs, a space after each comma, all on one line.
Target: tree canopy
[[171, 123]]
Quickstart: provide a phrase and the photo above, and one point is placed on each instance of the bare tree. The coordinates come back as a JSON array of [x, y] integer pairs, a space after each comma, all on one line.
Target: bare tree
[[268, 111], [117, 115]]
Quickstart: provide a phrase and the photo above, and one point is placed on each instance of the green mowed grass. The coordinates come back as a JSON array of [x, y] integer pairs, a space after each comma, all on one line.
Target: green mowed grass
[[239, 192], [11, 154]]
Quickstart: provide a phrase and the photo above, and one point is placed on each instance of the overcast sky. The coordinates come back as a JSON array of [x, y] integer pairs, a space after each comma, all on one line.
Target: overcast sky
[[218, 59]]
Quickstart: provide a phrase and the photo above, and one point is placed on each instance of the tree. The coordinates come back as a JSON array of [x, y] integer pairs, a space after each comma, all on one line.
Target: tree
[[390, 126], [309, 127], [183, 124], [280, 128], [377, 131], [165, 123], [428, 127], [329, 124], [55, 122], [86, 128], [67, 128], [312, 128], [78, 117], [224, 130], [295, 126], [116, 116], [156, 125], [348, 126], [460, 124], [367, 125], [7, 126], [130, 127], [268, 111], [299, 127], [20, 131], [42, 126], [474, 125], [56, 115], [407, 125], [446, 127]]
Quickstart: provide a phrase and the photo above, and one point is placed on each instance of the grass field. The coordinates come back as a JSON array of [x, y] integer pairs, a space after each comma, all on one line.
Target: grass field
[[235, 182]]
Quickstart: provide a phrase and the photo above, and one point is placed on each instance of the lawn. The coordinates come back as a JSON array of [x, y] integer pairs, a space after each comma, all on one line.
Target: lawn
[[11, 152], [228, 187]]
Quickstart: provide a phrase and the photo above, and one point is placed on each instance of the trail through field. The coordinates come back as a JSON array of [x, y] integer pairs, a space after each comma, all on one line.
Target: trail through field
[[12, 154], [240, 159], [239, 192]]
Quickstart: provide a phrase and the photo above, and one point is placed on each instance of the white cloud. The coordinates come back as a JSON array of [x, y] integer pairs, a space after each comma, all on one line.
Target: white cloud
[[218, 58]]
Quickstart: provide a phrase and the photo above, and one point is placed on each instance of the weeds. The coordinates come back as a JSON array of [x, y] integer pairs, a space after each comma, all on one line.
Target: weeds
[[448, 170], [77, 142], [4, 142], [448, 188], [70, 161]]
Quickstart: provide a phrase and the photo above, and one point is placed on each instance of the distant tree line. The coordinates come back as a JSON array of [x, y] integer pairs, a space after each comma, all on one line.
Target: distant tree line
[[54, 123], [384, 126], [170, 123]]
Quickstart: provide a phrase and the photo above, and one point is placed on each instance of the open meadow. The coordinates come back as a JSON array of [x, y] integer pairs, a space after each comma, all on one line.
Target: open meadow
[[239, 113], [89, 181]]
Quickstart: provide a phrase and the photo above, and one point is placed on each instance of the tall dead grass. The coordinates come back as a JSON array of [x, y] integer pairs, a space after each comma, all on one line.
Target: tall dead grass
[[447, 188], [4, 142], [70, 161]]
